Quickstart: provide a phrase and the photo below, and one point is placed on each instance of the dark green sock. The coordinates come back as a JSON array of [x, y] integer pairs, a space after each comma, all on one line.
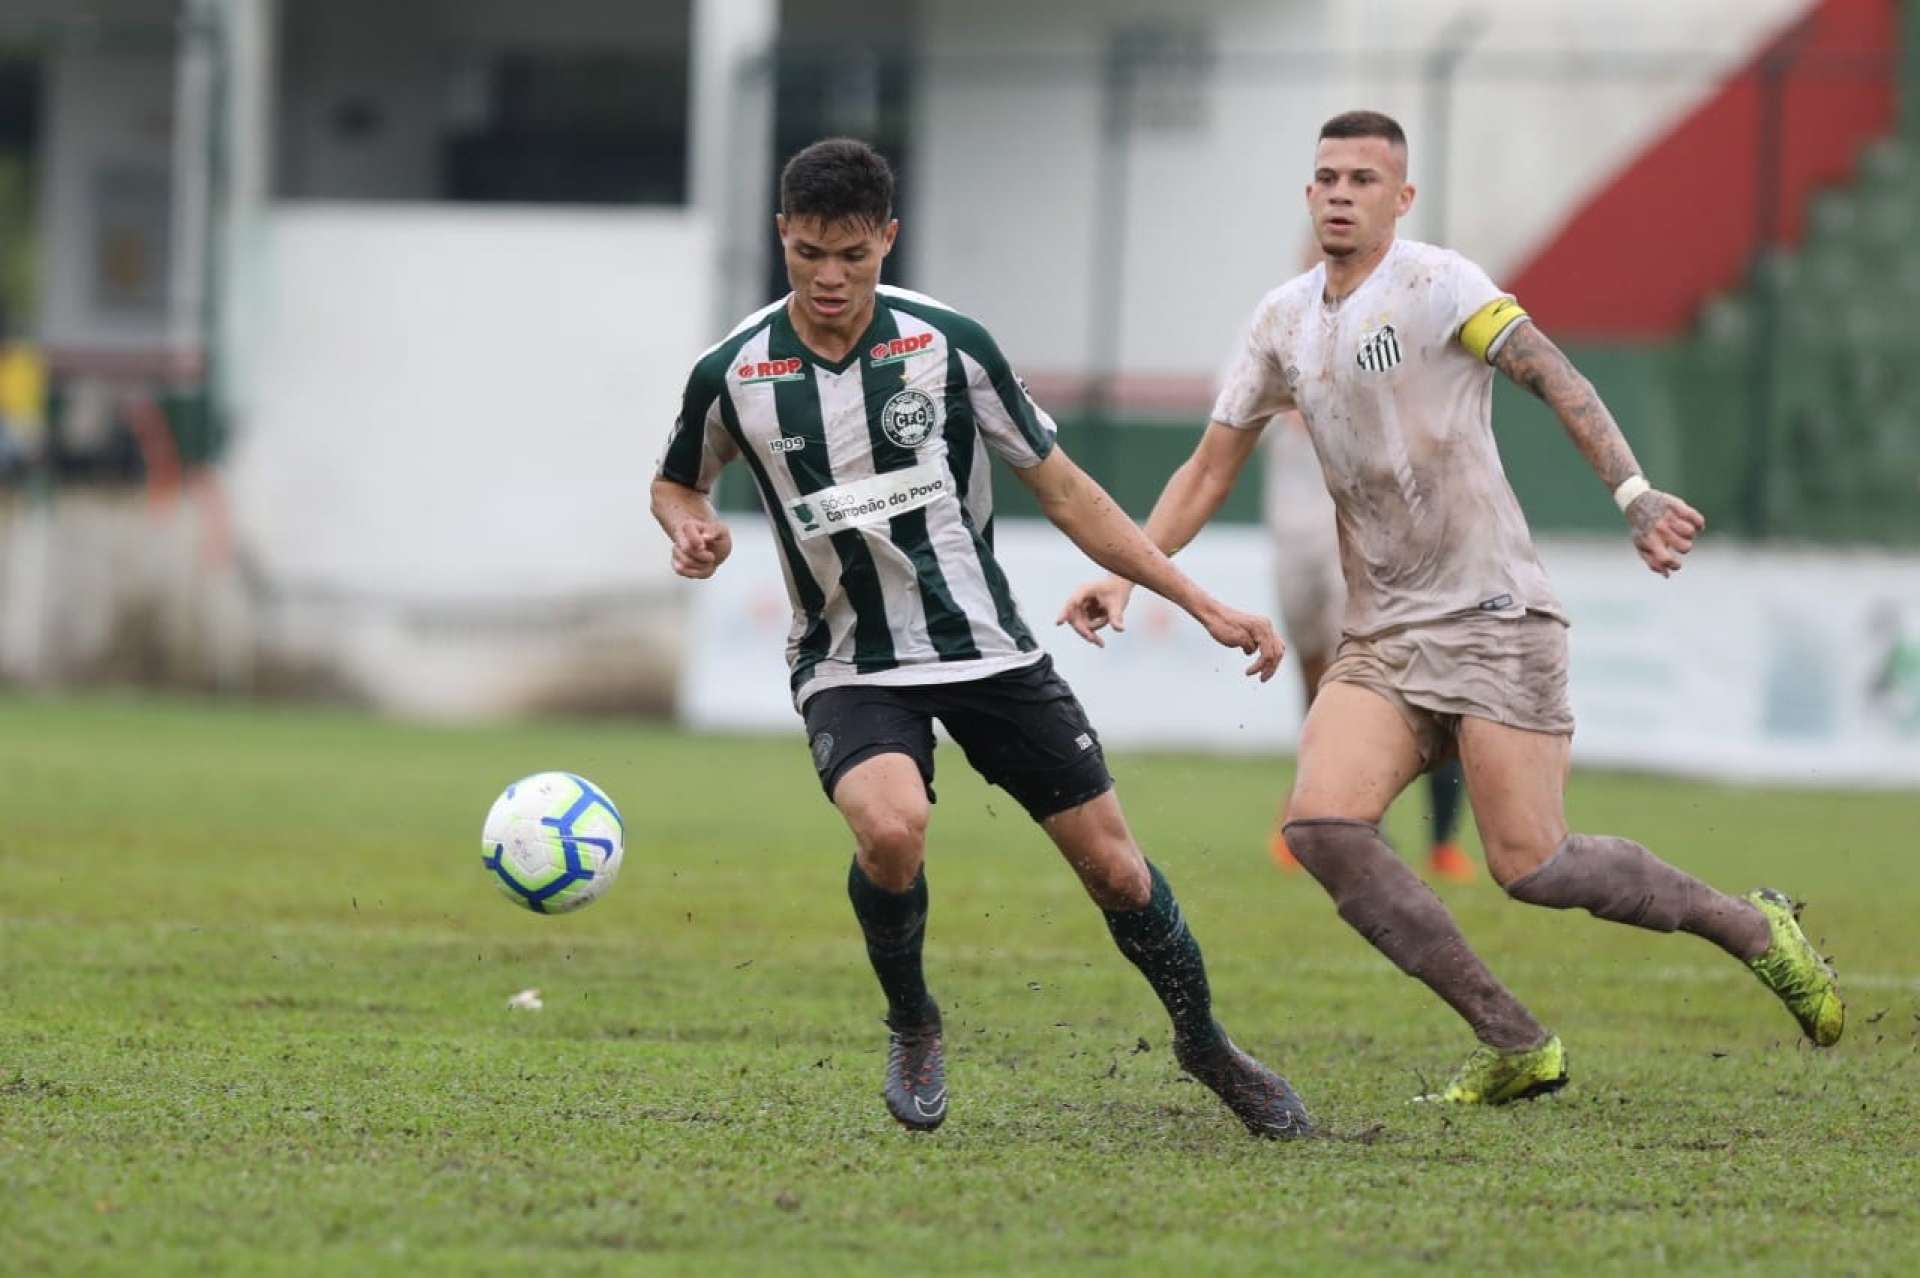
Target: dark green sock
[[1443, 787], [895, 925], [1156, 938]]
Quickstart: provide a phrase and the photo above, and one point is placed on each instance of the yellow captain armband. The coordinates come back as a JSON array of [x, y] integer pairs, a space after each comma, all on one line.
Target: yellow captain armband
[[1483, 330]]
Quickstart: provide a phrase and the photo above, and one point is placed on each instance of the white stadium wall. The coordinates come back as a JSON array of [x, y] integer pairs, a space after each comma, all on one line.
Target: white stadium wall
[[447, 415], [465, 403], [453, 416], [437, 500], [1006, 205]]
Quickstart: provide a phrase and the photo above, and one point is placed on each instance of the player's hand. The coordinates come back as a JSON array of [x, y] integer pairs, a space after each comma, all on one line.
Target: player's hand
[[1247, 631], [1095, 605], [700, 546], [1663, 529]]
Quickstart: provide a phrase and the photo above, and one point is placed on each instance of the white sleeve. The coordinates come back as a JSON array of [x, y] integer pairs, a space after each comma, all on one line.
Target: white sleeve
[[1012, 423], [1254, 388]]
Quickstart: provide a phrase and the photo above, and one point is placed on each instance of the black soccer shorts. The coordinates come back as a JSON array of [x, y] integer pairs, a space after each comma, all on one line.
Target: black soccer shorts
[[1024, 731]]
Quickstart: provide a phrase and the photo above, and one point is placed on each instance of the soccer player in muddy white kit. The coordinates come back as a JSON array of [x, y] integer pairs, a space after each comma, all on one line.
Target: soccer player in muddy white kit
[[1453, 639], [865, 414]]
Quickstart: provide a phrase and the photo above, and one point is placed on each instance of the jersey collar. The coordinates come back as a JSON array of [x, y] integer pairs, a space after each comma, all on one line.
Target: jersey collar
[[790, 337], [1334, 310]]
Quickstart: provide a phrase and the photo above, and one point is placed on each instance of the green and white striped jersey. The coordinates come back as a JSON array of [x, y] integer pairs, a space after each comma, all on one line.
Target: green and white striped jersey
[[875, 474]]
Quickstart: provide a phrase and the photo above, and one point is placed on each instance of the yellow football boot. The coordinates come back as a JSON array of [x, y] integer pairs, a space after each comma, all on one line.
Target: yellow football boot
[[1492, 1077], [1794, 970]]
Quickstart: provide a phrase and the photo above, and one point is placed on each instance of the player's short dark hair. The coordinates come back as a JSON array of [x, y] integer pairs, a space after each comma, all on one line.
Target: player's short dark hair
[[1365, 124], [838, 180]]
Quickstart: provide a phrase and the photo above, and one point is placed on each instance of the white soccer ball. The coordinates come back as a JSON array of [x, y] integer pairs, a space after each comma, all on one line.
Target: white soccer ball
[[552, 842]]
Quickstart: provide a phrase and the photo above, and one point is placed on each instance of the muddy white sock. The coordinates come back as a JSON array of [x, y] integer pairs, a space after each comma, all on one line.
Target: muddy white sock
[[1620, 881], [1384, 901]]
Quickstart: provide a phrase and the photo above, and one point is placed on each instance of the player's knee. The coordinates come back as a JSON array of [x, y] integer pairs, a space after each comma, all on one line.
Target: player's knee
[[1324, 844], [1511, 856], [1119, 881], [892, 846]]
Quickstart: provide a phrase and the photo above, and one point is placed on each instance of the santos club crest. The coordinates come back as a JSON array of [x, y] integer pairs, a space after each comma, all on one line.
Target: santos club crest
[[1379, 350], [909, 418]]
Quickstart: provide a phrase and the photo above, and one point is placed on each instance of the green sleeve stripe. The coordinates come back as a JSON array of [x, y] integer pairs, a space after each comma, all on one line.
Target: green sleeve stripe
[[686, 446], [1013, 397]]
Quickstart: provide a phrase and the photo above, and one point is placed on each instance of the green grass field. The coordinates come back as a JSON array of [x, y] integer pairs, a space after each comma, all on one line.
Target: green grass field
[[254, 1019]]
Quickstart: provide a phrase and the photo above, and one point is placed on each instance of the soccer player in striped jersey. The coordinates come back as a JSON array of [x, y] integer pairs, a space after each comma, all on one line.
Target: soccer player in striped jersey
[[1453, 639], [866, 415]]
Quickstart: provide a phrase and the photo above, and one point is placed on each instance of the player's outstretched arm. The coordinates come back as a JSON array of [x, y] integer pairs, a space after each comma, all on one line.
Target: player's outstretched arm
[[1081, 509], [701, 541], [1663, 526], [1194, 493]]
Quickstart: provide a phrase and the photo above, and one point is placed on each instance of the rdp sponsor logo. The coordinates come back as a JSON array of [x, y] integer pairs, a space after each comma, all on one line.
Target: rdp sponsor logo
[[899, 348], [778, 370]]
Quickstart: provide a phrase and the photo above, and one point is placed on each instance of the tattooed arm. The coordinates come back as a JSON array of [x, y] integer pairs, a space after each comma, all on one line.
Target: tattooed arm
[[1663, 526]]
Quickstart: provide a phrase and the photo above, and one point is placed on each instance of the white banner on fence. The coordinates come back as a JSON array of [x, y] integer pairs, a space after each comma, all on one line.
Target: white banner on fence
[[1766, 665]]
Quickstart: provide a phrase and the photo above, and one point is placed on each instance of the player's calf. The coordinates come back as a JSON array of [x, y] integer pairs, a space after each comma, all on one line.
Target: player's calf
[[1157, 940], [1620, 881], [1386, 903], [895, 926]]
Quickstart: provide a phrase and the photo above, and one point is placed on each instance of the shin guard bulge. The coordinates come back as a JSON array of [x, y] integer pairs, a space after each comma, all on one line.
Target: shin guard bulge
[[1156, 939], [895, 926]]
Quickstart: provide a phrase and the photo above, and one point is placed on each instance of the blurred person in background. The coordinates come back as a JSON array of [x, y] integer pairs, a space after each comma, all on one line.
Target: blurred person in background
[[866, 415], [23, 402], [1454, 640]]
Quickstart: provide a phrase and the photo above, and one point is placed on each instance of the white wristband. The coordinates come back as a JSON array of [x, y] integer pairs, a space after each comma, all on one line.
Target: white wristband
[[1630, 490]]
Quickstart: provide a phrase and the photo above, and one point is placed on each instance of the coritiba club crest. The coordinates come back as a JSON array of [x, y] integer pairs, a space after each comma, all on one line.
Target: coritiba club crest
[[908, 418]]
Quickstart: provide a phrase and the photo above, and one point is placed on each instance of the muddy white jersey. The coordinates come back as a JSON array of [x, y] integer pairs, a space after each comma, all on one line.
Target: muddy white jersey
[[1396, 386]]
